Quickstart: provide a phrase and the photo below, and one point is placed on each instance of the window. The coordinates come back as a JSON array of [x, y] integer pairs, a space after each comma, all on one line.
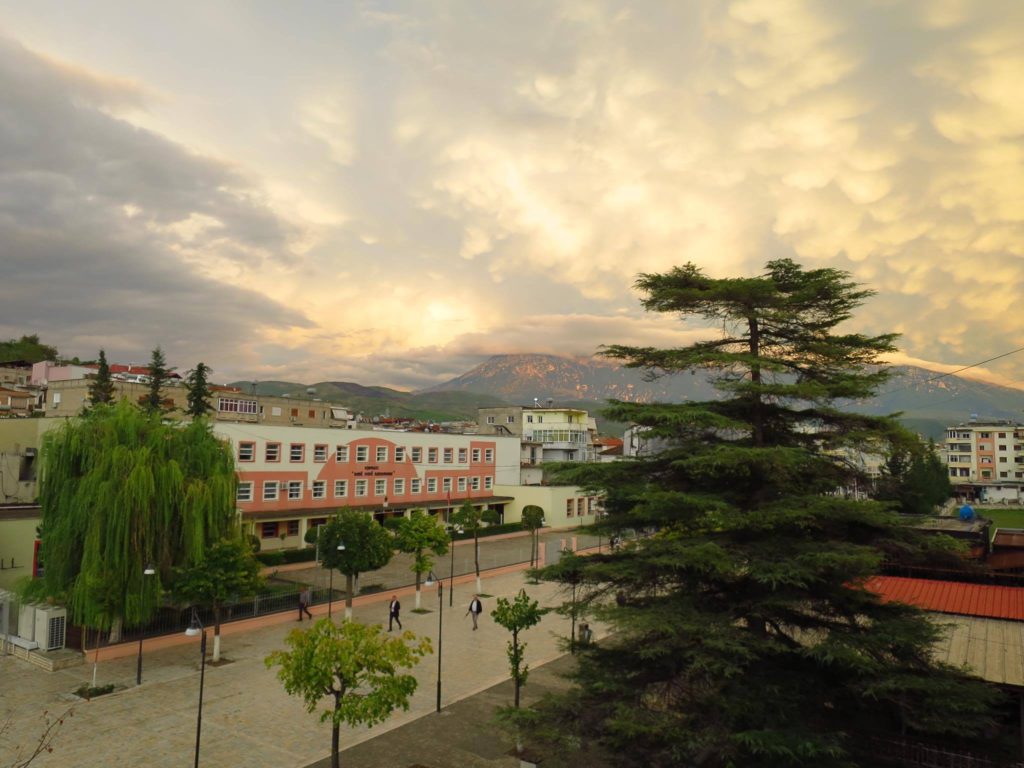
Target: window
[[475, 483], [244, 492], [234, 405], [316, 522], [529, 419], [340, 489], [268, 530], [270, 490], [247, 451], [1003, 447], [510, 419], [446, 484], [417, 455], [312, 414], [341, 454], [476, 455], [432, 455], [431, 485], [1004, 474], [275, 410], [380, 487], [399, 484], [273, 452], [964, 472], [1003, 460], [985, 434], [488, 482], [462, 483], [540, 419], [319, 453], [319, 489], [360, 487], [294, 490], [362, 454], [295, 413], [449, 455], [1002, 434], [382, 454], [296, 452], [986, 459], [414, 485], [986, 473], [569, 507], [490, 419], [399, 453], [462, 455], [488, 455], [580, 506], [56, 398], [293, 527]]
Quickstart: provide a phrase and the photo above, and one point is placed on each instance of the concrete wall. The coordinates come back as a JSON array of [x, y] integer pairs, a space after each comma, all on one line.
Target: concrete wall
[[553, 499], [17, 544]]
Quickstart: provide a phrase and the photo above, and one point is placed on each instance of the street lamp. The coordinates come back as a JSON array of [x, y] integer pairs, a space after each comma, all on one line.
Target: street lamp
[[440, 615], [142, 583], [451, 571], [330, 588], [197, 628]]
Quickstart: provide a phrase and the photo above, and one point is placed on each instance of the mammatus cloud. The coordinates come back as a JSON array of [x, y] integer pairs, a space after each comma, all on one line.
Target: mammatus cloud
[[431, 185]]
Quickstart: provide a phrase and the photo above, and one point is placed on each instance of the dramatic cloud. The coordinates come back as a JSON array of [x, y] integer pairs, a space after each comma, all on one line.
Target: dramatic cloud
[[390, 193]]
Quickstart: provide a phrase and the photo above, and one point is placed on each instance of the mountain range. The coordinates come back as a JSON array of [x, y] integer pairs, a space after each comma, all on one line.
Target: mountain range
[[928, 401]]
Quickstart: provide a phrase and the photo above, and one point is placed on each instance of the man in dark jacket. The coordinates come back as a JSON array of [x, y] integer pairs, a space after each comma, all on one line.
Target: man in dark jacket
[[393, 610], [475, 609]]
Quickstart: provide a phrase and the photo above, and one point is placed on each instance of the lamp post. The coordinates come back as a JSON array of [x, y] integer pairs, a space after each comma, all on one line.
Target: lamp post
[[142, 583], [330, 589], [440, 616], [196, 628], [451, 570]]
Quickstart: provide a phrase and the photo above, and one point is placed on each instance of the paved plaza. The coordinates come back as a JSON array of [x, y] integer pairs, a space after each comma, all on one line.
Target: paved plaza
[[248, 719]]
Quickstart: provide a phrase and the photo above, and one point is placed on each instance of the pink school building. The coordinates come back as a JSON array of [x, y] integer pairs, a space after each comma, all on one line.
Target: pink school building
[[294, 478]]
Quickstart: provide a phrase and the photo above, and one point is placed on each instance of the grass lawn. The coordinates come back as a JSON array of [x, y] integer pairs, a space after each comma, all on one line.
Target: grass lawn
[[1011, 517]]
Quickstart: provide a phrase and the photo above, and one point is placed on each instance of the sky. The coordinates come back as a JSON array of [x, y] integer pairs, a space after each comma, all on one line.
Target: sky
[[390, 192]]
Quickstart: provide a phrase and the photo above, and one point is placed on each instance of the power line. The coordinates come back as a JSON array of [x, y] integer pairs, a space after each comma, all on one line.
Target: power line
[[958, 370]]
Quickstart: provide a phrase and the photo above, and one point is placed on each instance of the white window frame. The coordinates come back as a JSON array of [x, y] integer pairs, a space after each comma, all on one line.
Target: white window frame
[[250, 452], [415, 484], [463, 455], [399, 484], [488, 455], [448, 456], [320, 452], [361, 488], [270, 490], [244, 491], [446, 484], [475, 456], [488, 483], [294, 490], [417, 455], [462, 484], [341, 454], [276, 447], [490, 419], [474, 483], [431, 485], [292, 453], [399, 453], [362, 454], [319, 489], [431, 455], [342, 486], [380, 486], [382, 454]]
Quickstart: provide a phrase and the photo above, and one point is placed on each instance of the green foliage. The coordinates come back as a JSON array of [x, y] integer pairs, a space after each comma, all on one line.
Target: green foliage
[[915, 478], [101, 389], [472, 520], [491, 530], [356, 665], [227, 572], [367, 545], [120, 490], [533, 521], [739, 632], [517, 615], [27, 348], [197, 384], [421, 535], [159, 374]]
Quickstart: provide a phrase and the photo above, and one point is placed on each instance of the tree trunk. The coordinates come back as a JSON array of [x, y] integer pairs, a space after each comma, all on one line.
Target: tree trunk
[[216, 632], [349, 581], [115, 630], [476, 558], [417, 590], [336, 734]]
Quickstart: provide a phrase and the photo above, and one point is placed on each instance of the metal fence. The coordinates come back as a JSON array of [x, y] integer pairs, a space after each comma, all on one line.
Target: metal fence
[[913, 754]]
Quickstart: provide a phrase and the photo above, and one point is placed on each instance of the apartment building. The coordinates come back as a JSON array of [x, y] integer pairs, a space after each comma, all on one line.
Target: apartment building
[[291, 479], [546, 434], [985, 459]]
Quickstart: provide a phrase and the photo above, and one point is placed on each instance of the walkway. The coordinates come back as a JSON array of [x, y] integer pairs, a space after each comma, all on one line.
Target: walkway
[[247, 717]]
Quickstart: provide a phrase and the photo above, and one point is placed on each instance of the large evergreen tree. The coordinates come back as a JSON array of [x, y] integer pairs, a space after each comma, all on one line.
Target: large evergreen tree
[[120, 491], [159, 374], [101, 388], [915, 478], [741, 634]]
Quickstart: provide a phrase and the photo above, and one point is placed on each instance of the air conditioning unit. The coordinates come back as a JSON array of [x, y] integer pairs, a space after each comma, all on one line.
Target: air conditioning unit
[[27, 621], [51, 626]]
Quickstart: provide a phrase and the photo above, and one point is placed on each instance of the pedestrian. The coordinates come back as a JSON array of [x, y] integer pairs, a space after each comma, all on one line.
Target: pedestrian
[[475, 609], [305, 598], [393, 610]]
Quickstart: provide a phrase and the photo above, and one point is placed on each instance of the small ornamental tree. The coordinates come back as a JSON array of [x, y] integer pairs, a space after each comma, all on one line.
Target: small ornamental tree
[[472, 519], [517, 615], [533, 520], [356, 665], [101, 388], [159, 374], [420, 535], [367, 547], [227, 572], [197, 385]]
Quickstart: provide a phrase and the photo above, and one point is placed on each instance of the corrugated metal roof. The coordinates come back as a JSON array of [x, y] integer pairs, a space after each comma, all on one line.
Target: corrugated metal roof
[[952, 596], [988, 648]]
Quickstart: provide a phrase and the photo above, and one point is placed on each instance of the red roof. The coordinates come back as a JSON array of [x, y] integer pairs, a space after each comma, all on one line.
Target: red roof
[[951, 596]]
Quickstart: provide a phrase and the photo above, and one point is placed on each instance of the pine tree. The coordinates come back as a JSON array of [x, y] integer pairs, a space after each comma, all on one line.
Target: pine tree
[[740, 631], [198, 387], [915, 478], [159, 374], [101, 389]]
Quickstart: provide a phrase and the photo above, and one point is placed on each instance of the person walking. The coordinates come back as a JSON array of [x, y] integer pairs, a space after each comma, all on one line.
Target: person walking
[[305, 598], [475, 609], [393, 610]]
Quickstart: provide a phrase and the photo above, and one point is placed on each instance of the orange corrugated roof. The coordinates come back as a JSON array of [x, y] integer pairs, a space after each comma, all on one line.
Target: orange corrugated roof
[[951, 596]]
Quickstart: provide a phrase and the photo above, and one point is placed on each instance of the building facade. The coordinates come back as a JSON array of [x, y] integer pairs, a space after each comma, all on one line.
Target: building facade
[[546, 434], [291, 479], [985, 459]]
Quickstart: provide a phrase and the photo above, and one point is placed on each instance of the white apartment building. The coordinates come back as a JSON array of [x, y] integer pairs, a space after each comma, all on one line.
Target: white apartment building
[[546, 434], [985, 459]]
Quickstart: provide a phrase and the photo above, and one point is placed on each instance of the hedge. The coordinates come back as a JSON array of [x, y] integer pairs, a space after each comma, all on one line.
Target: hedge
[[491, 530]]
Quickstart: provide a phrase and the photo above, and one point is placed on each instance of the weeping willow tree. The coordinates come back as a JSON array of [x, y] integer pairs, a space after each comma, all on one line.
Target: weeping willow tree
[[120, 490]]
